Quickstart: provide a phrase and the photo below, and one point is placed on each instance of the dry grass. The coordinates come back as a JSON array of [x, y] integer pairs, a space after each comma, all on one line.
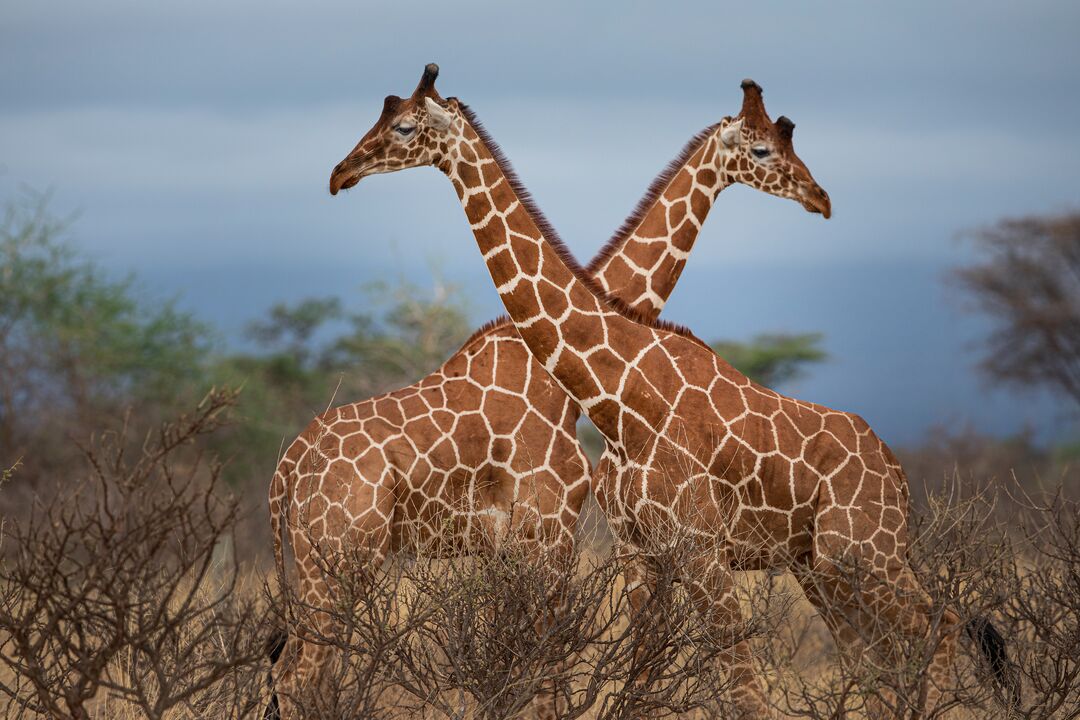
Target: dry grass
[[123, 600]]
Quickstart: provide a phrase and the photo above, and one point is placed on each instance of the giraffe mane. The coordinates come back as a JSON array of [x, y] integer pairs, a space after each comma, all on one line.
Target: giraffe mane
[[485, 329], [547, 230], [645, 204]]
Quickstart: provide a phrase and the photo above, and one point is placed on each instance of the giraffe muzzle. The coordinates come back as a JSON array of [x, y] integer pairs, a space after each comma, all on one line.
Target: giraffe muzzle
[[816, 200]]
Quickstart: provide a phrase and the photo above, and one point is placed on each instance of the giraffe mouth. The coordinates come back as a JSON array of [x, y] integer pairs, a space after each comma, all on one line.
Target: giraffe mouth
[[343, 177]]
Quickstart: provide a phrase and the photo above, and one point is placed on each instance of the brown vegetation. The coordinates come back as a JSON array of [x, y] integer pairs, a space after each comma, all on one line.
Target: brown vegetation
[[122, 590]]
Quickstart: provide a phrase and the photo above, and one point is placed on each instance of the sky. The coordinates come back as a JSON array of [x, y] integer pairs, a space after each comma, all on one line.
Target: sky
[[195, 141]]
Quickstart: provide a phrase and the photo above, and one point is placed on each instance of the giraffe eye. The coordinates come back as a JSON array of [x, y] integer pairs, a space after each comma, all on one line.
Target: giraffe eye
[[760, 152], [403, 130]]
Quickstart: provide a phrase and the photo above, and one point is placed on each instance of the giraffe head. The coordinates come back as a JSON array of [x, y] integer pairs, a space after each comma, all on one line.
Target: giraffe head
[[758, 152], [410, 132]]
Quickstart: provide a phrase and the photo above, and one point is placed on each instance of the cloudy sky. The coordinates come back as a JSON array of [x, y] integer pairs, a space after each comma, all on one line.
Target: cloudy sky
[[196, 139]]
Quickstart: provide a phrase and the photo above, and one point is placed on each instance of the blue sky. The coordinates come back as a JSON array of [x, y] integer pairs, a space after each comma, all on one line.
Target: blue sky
[[196, 139]]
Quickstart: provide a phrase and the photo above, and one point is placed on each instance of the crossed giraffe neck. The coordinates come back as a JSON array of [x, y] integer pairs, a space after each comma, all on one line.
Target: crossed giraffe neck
[[640, 266], [558, 312]]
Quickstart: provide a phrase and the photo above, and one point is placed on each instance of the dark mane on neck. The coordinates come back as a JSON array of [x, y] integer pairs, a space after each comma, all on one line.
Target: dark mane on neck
[[485, 329], [645, 204], [547, 230]]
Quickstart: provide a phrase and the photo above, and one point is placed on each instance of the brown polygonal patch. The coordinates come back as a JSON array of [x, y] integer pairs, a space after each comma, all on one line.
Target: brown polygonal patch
[[583, 332], [758, 434], [482, 370], [501, 448], [526, 254], [679, 186], [728, 401], [522, 300], [700, 204], [510, 370], [553, 299], [573, 368], [503, 411], [776, 473], [542, 337]]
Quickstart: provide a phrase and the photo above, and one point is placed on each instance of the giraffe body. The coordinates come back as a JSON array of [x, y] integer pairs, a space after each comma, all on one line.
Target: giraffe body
[[433, 466], [691, 444], [487, 442]]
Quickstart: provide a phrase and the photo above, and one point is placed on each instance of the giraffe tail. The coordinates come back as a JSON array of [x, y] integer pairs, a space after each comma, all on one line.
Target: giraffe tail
[[278, 504], [275, 644], [993, 648]]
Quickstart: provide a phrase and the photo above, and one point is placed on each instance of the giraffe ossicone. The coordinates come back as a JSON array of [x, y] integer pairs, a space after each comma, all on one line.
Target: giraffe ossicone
[[691, 443]]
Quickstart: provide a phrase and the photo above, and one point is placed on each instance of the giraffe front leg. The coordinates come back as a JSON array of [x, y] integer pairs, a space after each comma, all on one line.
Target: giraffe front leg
[[663, 625], [335, 556], [640, 579], [559, 557]]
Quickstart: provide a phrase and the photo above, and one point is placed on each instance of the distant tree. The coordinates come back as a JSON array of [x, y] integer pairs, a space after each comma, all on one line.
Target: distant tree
[[316, 353], [415, 333], [1027, 278], [290, 329], [772, 359], [410, 333], [75, 344]]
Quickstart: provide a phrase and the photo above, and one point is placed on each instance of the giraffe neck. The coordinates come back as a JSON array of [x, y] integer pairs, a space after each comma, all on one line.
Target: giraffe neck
[[643, 261], [556, 312]]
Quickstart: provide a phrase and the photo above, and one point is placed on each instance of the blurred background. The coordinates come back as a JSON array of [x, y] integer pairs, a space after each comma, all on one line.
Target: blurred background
[[164, 171]]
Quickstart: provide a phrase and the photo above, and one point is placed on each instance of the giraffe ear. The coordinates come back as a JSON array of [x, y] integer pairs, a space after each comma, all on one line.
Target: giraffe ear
[[731, 136], [440, 117]]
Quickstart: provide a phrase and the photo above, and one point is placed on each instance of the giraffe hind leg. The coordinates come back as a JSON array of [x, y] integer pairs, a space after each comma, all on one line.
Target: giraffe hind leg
[[894, 617], [849, 645]]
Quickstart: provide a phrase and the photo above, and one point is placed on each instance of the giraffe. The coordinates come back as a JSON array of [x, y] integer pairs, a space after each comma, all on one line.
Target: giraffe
[[764, 480], [499, 421]]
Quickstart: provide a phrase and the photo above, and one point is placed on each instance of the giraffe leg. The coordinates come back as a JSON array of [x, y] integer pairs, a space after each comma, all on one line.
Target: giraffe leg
[[545, 704], [710, 583], [849, 645], [640, 579], [557, 548], [358, 536], [298, 674], [893, 616]]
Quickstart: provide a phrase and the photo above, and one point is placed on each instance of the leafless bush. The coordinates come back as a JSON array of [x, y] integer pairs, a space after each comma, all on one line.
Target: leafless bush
[[503, 628], [1012, 591], [484, 636], [123, 590], [1041, 606], [361, 633], [664, 659]]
